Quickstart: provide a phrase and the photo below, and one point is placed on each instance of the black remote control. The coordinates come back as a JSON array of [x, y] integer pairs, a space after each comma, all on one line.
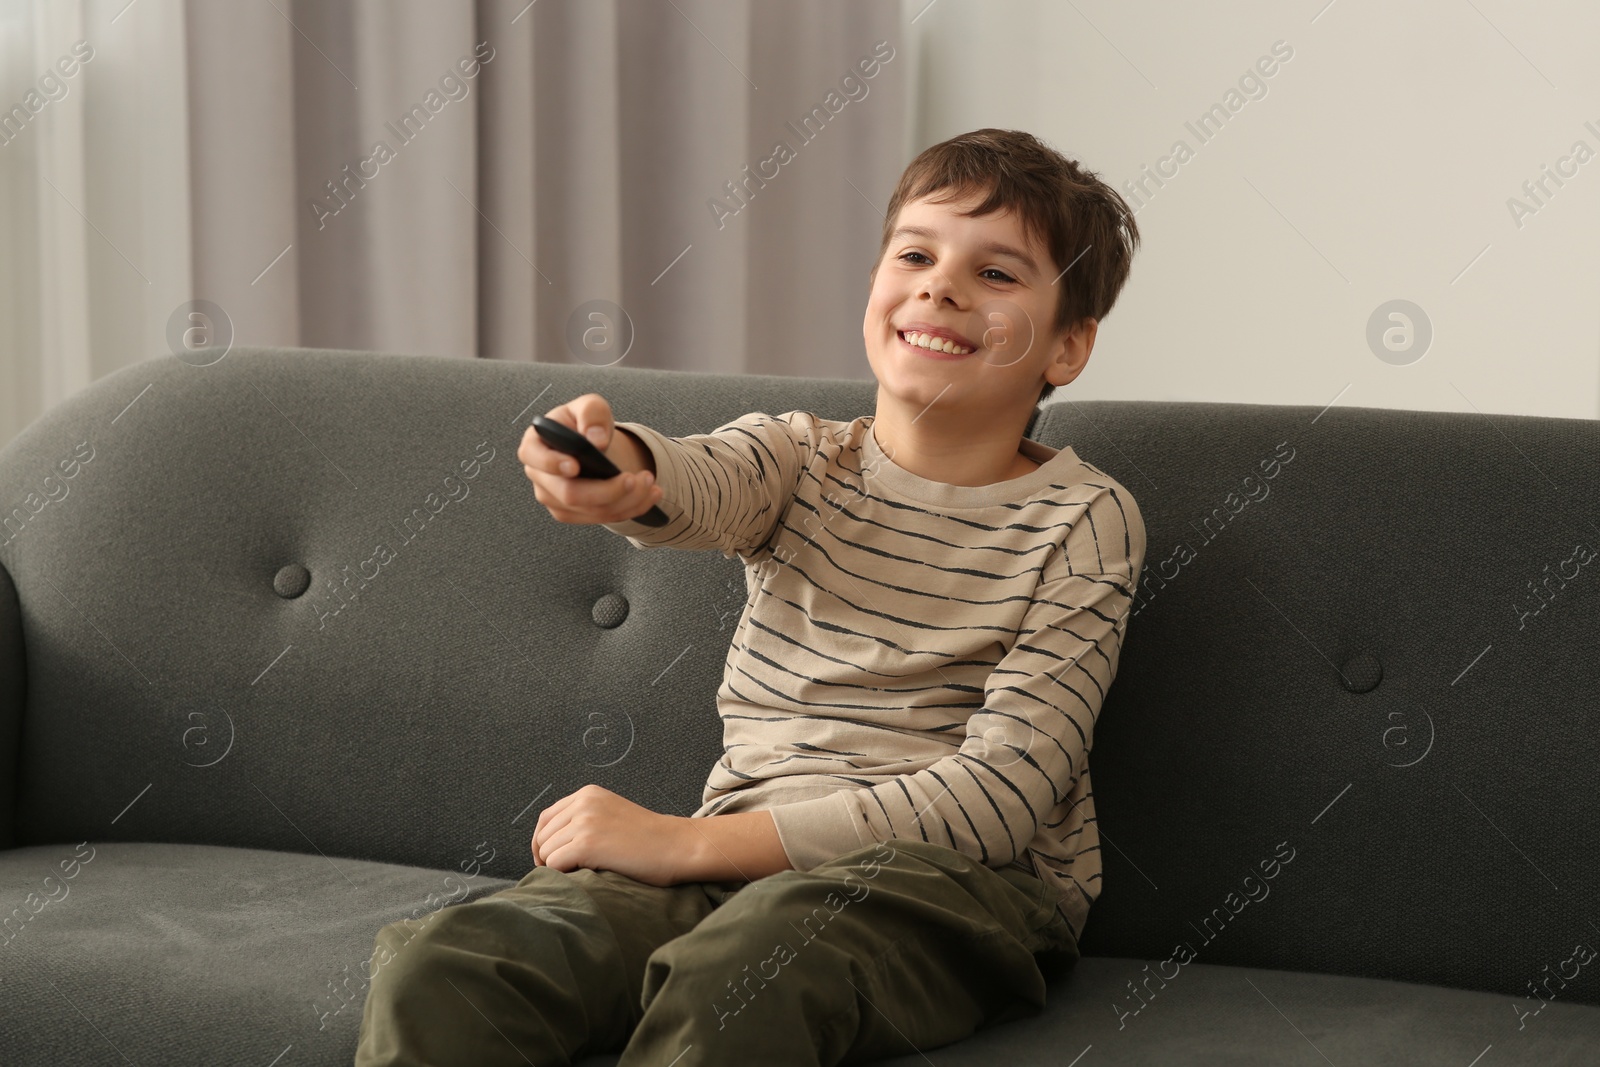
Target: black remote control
[[592, 463]]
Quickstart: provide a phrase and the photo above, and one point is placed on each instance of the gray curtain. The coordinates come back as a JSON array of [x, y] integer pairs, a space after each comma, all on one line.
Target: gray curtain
[[469, 178], [578, 163]]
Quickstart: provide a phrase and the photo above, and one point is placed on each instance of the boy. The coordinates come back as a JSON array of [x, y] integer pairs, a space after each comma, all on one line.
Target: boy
[[900, 829]]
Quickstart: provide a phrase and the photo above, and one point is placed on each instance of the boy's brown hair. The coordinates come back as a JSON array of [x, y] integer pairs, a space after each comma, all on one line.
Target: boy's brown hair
[[1084, 224]]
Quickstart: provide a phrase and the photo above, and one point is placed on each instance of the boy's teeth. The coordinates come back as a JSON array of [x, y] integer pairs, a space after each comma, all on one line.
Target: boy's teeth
[[940, 344]]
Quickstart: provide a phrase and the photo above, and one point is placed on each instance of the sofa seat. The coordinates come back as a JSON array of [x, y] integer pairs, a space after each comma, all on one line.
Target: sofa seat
[[1210, 1015], [262, 953], [181, 954]]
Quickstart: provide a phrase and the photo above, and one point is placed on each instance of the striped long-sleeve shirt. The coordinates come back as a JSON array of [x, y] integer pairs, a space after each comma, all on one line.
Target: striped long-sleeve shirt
[[915, 659]]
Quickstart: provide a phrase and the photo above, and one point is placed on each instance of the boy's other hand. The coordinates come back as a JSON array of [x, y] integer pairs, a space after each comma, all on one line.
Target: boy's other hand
[[596, 828], [554, 474]]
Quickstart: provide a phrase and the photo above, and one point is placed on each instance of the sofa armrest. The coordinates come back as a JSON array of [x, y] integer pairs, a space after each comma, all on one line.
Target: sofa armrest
[[13, 689]]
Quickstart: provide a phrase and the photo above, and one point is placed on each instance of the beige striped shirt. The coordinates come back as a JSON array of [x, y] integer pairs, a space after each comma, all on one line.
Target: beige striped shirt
[[915, 659]]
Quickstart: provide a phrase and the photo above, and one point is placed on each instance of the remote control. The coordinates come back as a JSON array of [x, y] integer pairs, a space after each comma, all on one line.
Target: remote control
[[592, 463]]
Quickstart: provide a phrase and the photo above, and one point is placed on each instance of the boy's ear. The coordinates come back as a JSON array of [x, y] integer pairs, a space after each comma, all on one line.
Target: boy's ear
[[1072, 353]]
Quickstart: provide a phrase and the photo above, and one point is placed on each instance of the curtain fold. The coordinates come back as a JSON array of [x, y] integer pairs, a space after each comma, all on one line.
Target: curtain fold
[[694, 184]]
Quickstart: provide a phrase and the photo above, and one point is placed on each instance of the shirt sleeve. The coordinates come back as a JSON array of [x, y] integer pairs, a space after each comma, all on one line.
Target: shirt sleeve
[[726, 489], [1026, 748]]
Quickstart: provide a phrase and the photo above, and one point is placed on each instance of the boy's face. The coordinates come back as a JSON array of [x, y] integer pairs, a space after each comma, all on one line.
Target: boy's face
[[1001, 307]]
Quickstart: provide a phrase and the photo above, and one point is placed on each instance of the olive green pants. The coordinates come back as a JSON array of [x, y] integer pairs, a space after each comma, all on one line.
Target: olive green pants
[[892, 949]]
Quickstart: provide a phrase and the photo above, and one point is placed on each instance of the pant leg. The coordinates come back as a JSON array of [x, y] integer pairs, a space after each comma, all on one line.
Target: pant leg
[[544, 971], [892, 949]]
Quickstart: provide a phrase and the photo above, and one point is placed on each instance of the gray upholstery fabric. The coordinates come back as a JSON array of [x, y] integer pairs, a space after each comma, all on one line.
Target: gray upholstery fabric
[[1340, 668], [201, 954], [13, 687]]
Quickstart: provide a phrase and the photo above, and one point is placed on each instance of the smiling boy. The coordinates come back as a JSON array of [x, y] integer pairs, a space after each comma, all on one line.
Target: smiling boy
[[900, 829]]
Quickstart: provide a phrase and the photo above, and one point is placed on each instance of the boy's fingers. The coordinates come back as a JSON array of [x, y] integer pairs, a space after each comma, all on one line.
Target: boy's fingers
[[589, 414], [525, 447], [598, 501], [643, 495], [566, 414], [554, 474], [597, 494], [534, 453], [630, 501], [629, 507], [594, 418]]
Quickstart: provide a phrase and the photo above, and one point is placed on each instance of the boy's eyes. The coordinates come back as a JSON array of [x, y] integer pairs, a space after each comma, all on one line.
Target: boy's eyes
[[992, 270]]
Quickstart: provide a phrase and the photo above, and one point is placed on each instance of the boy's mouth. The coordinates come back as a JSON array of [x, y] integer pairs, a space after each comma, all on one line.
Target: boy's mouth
[[935, 345]]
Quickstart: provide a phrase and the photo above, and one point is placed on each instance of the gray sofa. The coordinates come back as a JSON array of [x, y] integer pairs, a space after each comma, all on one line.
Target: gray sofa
[[288, 650]]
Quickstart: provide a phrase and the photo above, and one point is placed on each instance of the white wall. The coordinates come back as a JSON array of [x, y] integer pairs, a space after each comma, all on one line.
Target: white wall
[[1377, 165]]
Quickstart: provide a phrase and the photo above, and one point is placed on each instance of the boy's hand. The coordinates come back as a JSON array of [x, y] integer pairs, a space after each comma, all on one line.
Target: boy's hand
[[589, 500], [598, 829]]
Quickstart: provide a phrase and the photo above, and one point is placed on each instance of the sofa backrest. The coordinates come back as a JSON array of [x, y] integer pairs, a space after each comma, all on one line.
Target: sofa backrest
[[306, 600]]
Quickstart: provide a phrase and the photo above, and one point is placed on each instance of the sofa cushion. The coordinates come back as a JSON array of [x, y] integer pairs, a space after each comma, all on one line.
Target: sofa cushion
[[161, 953], [179, 954], [1208, 1015]]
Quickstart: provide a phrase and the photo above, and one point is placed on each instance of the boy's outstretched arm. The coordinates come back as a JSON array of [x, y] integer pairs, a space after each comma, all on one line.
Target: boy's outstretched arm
[[725, 490]]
